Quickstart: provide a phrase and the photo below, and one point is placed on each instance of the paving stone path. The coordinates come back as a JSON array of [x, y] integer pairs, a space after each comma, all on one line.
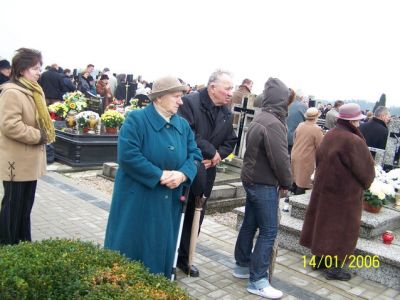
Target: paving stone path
[[64, 210]]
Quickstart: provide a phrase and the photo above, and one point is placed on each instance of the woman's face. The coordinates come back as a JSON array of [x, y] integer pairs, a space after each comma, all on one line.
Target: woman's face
[[33, 73], [170, 102], [356, 123]]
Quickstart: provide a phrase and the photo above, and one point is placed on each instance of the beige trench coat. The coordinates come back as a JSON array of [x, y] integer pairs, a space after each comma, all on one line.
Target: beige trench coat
[[307, 138], [21, 158]]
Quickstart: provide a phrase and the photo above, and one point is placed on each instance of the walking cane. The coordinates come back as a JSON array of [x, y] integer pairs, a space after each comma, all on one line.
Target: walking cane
[[184, 199]]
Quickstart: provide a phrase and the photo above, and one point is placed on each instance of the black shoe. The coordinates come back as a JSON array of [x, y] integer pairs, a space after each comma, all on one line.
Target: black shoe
[[337, 274], [194, 272]]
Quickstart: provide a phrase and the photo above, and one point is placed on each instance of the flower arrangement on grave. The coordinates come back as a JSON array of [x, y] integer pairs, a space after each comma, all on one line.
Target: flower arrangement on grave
[[57, 111], [382, 190], [112, 119], [134, 105], [87, 120], [75, 101]]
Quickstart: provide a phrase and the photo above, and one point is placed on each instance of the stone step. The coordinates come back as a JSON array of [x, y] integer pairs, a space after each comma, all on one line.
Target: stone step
[[372, 225], [226, 185], [388, 272], [224, 205], [225, 196]]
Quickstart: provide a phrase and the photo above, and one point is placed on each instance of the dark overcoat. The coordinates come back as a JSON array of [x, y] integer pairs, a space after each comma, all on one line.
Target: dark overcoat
[[375, 133], [144, 216], [211, 135], [344, 169]]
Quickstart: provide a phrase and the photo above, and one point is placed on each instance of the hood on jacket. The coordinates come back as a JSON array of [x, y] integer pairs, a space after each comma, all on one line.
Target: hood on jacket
[[276, 98], [13, 86]]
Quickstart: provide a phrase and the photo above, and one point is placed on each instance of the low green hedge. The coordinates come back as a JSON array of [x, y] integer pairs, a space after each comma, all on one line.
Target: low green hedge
[[67, 269]]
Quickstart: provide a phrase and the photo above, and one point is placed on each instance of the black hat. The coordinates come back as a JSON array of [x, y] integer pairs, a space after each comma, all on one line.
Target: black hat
[[5, 64]]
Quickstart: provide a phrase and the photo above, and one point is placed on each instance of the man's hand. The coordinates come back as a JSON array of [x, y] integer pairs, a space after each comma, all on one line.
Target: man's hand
[[174, 179], [207, 163], [216, 159]]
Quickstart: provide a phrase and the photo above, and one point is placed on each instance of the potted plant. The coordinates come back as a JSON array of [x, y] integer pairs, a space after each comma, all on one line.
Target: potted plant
[[382, 190], [87, 121], [112, 120]]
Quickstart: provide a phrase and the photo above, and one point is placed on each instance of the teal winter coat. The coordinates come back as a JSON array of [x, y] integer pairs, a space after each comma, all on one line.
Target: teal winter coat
[[144, 217]]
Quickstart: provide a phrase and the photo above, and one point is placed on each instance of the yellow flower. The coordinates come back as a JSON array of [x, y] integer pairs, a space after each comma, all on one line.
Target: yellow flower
[[72, 106]]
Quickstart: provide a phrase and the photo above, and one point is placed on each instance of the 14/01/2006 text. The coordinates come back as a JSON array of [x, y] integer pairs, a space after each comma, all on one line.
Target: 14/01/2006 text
[[332, 261]]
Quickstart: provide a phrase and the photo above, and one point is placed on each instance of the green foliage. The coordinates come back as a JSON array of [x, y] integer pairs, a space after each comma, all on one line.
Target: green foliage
[[381, 102], [375, 200], [66, 269]]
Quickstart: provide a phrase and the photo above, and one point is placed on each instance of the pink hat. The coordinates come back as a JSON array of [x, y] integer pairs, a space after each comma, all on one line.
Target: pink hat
[[351, 112]]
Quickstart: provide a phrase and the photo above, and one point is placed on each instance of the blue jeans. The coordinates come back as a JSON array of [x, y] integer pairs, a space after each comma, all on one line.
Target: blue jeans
[[262, 202]]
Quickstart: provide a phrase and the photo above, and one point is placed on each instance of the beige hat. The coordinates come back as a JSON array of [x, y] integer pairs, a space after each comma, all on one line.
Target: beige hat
[[312, 113], [166, 85]]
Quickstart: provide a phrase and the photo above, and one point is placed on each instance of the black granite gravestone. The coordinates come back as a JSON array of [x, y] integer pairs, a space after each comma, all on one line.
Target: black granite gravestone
[[84, 150]]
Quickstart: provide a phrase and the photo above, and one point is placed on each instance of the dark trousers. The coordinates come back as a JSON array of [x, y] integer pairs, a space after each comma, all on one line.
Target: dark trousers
[[15, 214], [183, 257]]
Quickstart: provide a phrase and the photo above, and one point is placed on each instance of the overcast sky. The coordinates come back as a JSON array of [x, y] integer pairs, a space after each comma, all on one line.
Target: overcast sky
[[329, 49]]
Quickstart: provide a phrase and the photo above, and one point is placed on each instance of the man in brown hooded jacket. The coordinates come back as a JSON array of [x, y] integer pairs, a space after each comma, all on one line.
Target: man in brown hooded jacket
[[266, 170]]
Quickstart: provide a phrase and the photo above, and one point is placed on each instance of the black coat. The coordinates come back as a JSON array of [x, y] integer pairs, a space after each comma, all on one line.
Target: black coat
[[68, 85], [375, 133], [53, 85], [211, 135]]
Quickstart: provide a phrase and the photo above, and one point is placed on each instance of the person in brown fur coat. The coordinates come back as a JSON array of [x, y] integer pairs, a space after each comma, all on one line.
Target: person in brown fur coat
[[345, 168], [103, 89]]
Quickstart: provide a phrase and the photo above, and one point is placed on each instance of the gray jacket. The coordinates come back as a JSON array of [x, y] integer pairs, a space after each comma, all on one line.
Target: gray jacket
[[331, 118], [266, 160]]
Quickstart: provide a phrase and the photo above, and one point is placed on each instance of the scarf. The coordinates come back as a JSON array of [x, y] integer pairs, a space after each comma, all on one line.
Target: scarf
[[44, 120]]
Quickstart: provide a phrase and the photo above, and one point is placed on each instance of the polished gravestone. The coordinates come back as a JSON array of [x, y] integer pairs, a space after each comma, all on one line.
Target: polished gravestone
[[84, 150]]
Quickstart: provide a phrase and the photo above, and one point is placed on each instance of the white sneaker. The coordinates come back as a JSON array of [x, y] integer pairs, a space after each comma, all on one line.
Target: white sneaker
[[240, 275], [267, 292]]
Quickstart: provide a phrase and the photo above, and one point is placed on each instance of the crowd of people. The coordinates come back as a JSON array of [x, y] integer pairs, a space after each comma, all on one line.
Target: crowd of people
[[174, 145]]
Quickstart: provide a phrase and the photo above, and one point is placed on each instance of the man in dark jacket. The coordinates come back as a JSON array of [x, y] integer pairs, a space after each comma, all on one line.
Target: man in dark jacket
[[375, 130], [211, 122], [265, 172], [53, 85]]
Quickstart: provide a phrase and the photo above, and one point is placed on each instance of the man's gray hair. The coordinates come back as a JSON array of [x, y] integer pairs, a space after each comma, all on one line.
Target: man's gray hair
[[380, 111], [216, 75]]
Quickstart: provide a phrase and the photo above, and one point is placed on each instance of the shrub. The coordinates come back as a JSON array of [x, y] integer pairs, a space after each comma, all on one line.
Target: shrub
[[67, 269]]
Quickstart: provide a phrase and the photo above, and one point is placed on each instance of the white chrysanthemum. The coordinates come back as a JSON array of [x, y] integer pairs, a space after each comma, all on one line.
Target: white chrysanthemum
[[381, 195], [375, 187], [394, 174], [388, 189]]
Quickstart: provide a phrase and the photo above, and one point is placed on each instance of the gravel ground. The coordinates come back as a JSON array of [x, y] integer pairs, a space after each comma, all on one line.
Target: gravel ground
[[91, 180]]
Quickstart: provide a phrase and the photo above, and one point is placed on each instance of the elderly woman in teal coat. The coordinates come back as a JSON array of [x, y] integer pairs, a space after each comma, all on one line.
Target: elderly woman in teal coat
[[157, 156]]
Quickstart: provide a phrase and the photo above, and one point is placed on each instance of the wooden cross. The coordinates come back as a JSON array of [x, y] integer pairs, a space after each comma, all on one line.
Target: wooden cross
[[243, 112]]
